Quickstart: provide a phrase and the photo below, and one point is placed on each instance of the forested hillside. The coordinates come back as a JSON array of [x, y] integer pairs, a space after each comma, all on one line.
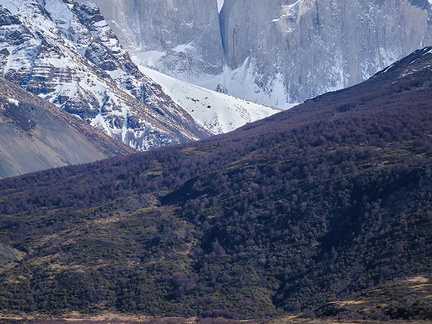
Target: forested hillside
[[281, 216]]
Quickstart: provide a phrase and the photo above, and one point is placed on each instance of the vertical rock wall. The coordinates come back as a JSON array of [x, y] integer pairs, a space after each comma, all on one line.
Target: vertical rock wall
[[315, 46], [179, 37]]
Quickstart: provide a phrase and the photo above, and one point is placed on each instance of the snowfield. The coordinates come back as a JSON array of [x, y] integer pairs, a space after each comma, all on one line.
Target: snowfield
[[218, 112]]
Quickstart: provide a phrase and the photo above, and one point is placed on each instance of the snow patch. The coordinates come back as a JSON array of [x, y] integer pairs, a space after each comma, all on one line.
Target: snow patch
[[60, 13], [56, 62], [183, 48], [101, 23], [295, 10], [13, 101], [241, 83], [221, 2], [149, 58]]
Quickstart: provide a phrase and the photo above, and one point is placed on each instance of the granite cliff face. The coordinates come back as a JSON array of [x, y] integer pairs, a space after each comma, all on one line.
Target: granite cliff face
[[178, 37], [273, 52], [307, 47], [66, 53]]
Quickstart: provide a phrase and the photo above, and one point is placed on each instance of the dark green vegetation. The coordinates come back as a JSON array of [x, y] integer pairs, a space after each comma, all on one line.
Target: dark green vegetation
[[284, 215]]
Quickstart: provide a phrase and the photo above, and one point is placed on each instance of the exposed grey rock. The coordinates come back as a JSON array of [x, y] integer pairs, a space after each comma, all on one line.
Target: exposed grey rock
[[275, 51], [178, 37], [7, 254], [314, 46]]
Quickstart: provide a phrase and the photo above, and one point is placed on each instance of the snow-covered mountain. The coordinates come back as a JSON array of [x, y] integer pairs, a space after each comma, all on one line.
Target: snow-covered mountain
[[274, 52], [66, 53]]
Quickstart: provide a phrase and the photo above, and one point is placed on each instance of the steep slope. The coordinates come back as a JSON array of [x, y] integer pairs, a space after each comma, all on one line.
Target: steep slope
[[181, 37], [36, 135], [308, 47], [274, 53], [67, 54], [286, 214]]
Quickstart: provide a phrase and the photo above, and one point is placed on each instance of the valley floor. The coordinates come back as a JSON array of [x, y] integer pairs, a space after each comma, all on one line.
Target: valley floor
[[120, 319]]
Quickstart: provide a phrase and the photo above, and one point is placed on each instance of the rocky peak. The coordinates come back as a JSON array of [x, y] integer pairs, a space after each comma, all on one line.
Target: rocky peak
[[6, 18], [67, 53]]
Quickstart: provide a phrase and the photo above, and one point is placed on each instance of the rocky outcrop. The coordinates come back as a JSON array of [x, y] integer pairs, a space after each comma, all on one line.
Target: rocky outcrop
[[67, 53]]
